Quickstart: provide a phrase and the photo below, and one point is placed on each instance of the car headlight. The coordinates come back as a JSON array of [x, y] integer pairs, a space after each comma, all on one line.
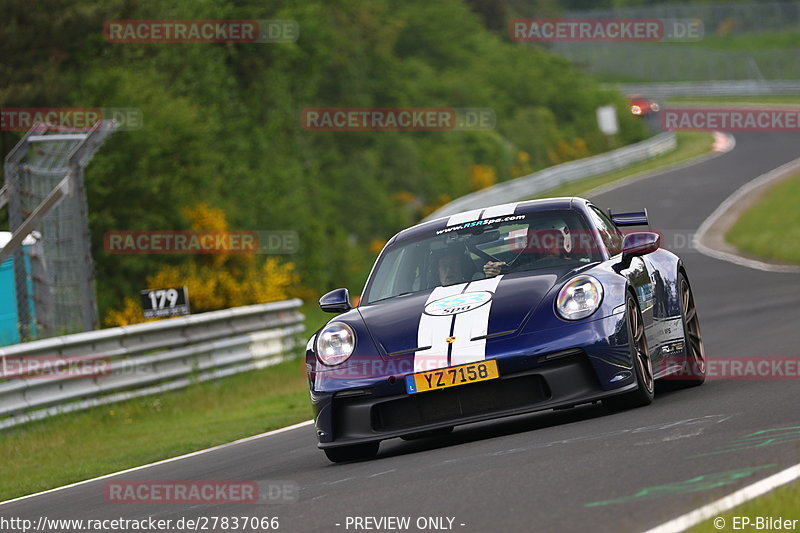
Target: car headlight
[[335, 343], [579, 298]]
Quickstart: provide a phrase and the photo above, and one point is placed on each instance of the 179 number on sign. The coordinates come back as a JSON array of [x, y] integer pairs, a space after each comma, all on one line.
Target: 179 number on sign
[[158, 303]]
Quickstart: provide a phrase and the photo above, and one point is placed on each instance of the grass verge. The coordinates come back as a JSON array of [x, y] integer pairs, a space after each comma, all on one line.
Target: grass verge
[[781, 502], [750, 42], [788, 99], [82, 445], [771, 228], [691, 145]]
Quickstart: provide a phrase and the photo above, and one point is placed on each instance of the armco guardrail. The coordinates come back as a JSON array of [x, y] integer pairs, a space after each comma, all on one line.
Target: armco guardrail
[[144, 358], [526, 186], [712, 88]]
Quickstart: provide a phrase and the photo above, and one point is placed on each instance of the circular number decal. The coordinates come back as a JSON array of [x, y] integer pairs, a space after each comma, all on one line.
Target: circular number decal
[[459, 303]]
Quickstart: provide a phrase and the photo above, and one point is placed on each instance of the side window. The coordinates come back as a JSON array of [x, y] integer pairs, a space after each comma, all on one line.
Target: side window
[[608, 231]]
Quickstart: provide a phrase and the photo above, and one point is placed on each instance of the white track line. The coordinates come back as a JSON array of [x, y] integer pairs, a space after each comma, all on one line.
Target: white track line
[[165, 461], [737, 196], [713, 509]]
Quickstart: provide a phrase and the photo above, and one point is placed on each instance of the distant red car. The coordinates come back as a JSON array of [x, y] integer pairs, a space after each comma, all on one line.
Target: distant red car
[[641, 106]]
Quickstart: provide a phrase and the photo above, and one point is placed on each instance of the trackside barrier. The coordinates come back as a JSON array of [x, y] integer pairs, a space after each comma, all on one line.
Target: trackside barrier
[[526, 186], [147, 358], [712, 88]]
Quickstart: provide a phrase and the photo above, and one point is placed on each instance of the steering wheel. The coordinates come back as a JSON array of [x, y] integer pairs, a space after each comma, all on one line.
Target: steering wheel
[[504, 269]]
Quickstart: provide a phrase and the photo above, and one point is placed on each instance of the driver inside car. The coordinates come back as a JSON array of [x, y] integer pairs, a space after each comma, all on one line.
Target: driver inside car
[[553, 243], [453, 268]]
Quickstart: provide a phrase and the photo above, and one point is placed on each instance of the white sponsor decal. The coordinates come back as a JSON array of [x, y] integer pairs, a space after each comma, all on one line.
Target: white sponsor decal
[[449, 333], [473, 325], [482, 214], [459, 303], [434, 330]]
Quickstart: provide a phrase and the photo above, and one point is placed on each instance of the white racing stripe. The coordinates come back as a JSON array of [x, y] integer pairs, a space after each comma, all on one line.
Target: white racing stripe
[[466, 216], [473, 324], [434, 330], [499, 210], [482, 214]]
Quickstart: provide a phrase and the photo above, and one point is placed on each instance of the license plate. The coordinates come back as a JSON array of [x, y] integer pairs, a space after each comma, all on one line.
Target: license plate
[[442, 378]]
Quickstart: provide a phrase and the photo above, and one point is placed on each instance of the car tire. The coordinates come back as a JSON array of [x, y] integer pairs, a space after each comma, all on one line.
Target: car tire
[[440, 432], [695, 367], [642, 364], [354, 452]]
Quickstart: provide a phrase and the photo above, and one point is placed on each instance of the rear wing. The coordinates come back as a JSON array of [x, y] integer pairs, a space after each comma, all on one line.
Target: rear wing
[[634, 218]]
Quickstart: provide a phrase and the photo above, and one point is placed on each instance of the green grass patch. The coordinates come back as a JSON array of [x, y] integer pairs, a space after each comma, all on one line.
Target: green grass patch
[[782, 502], [315, 318], [788, 99], [749, 42], [82, 445], [771, 228], [691, 144]]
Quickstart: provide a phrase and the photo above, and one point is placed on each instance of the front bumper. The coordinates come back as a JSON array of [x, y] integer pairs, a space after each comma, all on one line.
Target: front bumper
[[582, 363]]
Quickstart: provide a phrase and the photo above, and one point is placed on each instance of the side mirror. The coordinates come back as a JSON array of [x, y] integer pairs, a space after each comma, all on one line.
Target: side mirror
[[640, 243], [336, 301]]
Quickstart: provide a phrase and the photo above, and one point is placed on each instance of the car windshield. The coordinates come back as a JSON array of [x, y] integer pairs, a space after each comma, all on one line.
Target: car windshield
[[480, 249]]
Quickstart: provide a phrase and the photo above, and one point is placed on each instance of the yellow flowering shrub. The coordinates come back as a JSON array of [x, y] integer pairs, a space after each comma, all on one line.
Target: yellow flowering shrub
[[441, 200], [727, 26], [522, 167], [581, 150], [481, 177], [404, 197], [376, 246], [567, 151], [216, 281], [131, 313], [553, 157]]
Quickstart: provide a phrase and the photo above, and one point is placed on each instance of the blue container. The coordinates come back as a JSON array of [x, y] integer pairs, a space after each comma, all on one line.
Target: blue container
[[9, 317]]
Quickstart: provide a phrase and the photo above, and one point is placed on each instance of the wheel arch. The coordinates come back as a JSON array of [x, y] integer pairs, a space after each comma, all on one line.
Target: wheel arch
[[682, 270]]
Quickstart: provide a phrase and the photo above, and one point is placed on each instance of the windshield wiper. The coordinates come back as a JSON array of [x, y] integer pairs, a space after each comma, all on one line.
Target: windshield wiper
[[392, 296]]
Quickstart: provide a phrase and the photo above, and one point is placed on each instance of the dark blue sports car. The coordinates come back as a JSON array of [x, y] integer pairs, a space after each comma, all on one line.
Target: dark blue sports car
[[500, 311]]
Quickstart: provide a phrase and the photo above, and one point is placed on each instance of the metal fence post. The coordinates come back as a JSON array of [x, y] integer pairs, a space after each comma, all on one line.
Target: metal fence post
[[46, 192]]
